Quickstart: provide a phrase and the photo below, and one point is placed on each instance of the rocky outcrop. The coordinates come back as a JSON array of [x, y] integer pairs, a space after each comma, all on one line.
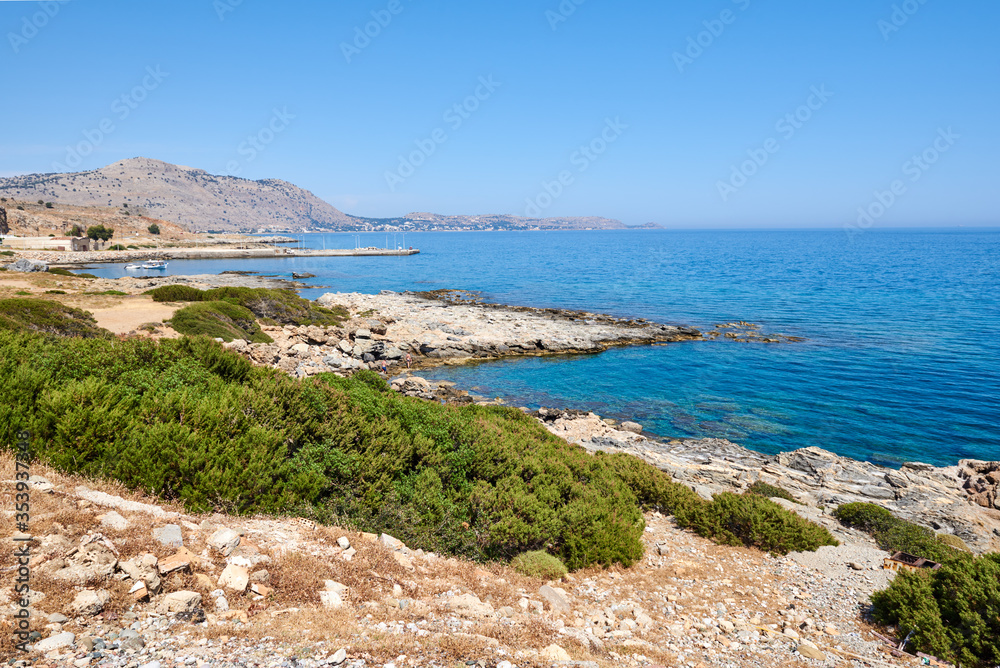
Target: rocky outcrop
[[982, 482], [27, 266], [4, 225], [959, 500]]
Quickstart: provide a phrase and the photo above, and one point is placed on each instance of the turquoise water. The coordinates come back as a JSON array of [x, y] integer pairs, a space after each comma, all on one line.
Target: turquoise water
[[903, 329]]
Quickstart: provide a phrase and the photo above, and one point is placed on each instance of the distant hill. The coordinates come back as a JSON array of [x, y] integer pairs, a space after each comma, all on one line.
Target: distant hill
[[190, 197], [199, 201]]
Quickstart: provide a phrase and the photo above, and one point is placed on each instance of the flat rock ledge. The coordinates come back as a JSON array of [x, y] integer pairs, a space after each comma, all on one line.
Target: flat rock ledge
[[960, 500]]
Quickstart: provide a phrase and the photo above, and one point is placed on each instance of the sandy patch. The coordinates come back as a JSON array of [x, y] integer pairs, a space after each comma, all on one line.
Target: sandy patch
[[132, 312]]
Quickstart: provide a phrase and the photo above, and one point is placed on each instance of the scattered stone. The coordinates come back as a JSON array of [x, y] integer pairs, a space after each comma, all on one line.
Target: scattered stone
[[113, 520], [234, 577], [224, 541], [179, 601], [555, 653], [56, 641], [810, 652], [169, 535], [556, 597]]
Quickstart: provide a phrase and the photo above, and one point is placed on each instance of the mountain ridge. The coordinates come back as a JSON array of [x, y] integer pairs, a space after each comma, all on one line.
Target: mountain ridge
[[201, 201]]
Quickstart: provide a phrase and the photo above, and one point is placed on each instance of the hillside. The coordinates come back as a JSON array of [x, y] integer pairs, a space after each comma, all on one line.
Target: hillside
[[31, 219], [189, 197], [199, 201]]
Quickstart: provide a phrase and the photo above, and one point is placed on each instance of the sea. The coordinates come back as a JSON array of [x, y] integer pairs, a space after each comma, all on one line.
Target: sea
[[900, 359]]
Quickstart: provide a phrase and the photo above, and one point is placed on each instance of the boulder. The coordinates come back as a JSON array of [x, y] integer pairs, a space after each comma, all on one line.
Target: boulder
[[179, 602], [811, 652], [26, 266], [89, 603], [224, 541], [234, 577], [113, 520], [555, 653], [390, 542], [331, 599], [556, 597], [93, 561], [633, 427], [169, 535], [469, 605]]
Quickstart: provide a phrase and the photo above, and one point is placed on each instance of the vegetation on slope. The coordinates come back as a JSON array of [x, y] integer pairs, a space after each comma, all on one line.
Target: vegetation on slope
[[897, 535], [188, 420], [272, 306], [954, 611], [50, 317], [219, 320]]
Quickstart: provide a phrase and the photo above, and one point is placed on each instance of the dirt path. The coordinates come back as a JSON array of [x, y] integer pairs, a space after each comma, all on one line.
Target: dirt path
[[132, 312]]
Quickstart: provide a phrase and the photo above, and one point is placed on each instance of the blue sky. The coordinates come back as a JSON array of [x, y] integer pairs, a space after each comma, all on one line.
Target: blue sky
[[674, 112]]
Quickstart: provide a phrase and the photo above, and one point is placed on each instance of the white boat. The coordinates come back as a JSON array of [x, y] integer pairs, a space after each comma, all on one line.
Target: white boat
[[154, 264], [130, 267]]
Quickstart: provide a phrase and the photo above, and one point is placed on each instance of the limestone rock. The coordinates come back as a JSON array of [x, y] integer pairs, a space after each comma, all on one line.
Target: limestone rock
[[113, 520], [234, 577], [811, 652], [556, 597], [331, 599], [224, 541], [89, 602], [57, 641], [555, 653], [169, 535], [90, 562], [469, 605], [179, 602]]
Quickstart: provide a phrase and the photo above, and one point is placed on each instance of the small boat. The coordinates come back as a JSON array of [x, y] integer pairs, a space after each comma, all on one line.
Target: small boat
[[154, 264], [132, 267]]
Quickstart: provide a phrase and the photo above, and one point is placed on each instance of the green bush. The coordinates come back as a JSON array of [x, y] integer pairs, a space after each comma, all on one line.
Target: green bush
[[116, 293], [219, 320], [761, 488], [7, 253], [41, 315], [951, 540], [55, 292], [176, 293], [100, 232], [154, 229], [731, 519], [117, 247], [954, 611], [269, 305], [58, 271], [539, 564], [85, 276], [892, 533]]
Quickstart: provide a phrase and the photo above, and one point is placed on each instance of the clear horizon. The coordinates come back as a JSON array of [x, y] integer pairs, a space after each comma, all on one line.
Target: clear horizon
[[729, 115]]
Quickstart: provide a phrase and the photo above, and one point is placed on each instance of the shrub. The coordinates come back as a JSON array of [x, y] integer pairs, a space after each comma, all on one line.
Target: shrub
[[85, 276], [761, 488], [280, 306], [117, 247], [116, 293], [48, 205], [58, 271], [539, 564], [176, 293], [7, 253], [40, 315], [55, 292], [219, 320], [154, 229], [732, 519], [951, 540], [892, 533], [954, 611]]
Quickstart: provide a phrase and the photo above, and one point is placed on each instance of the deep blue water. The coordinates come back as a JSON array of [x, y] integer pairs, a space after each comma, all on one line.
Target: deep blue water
[[903, 329]]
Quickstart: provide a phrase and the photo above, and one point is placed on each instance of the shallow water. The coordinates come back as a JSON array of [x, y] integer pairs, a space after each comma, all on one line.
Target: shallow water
[[901, 327]]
